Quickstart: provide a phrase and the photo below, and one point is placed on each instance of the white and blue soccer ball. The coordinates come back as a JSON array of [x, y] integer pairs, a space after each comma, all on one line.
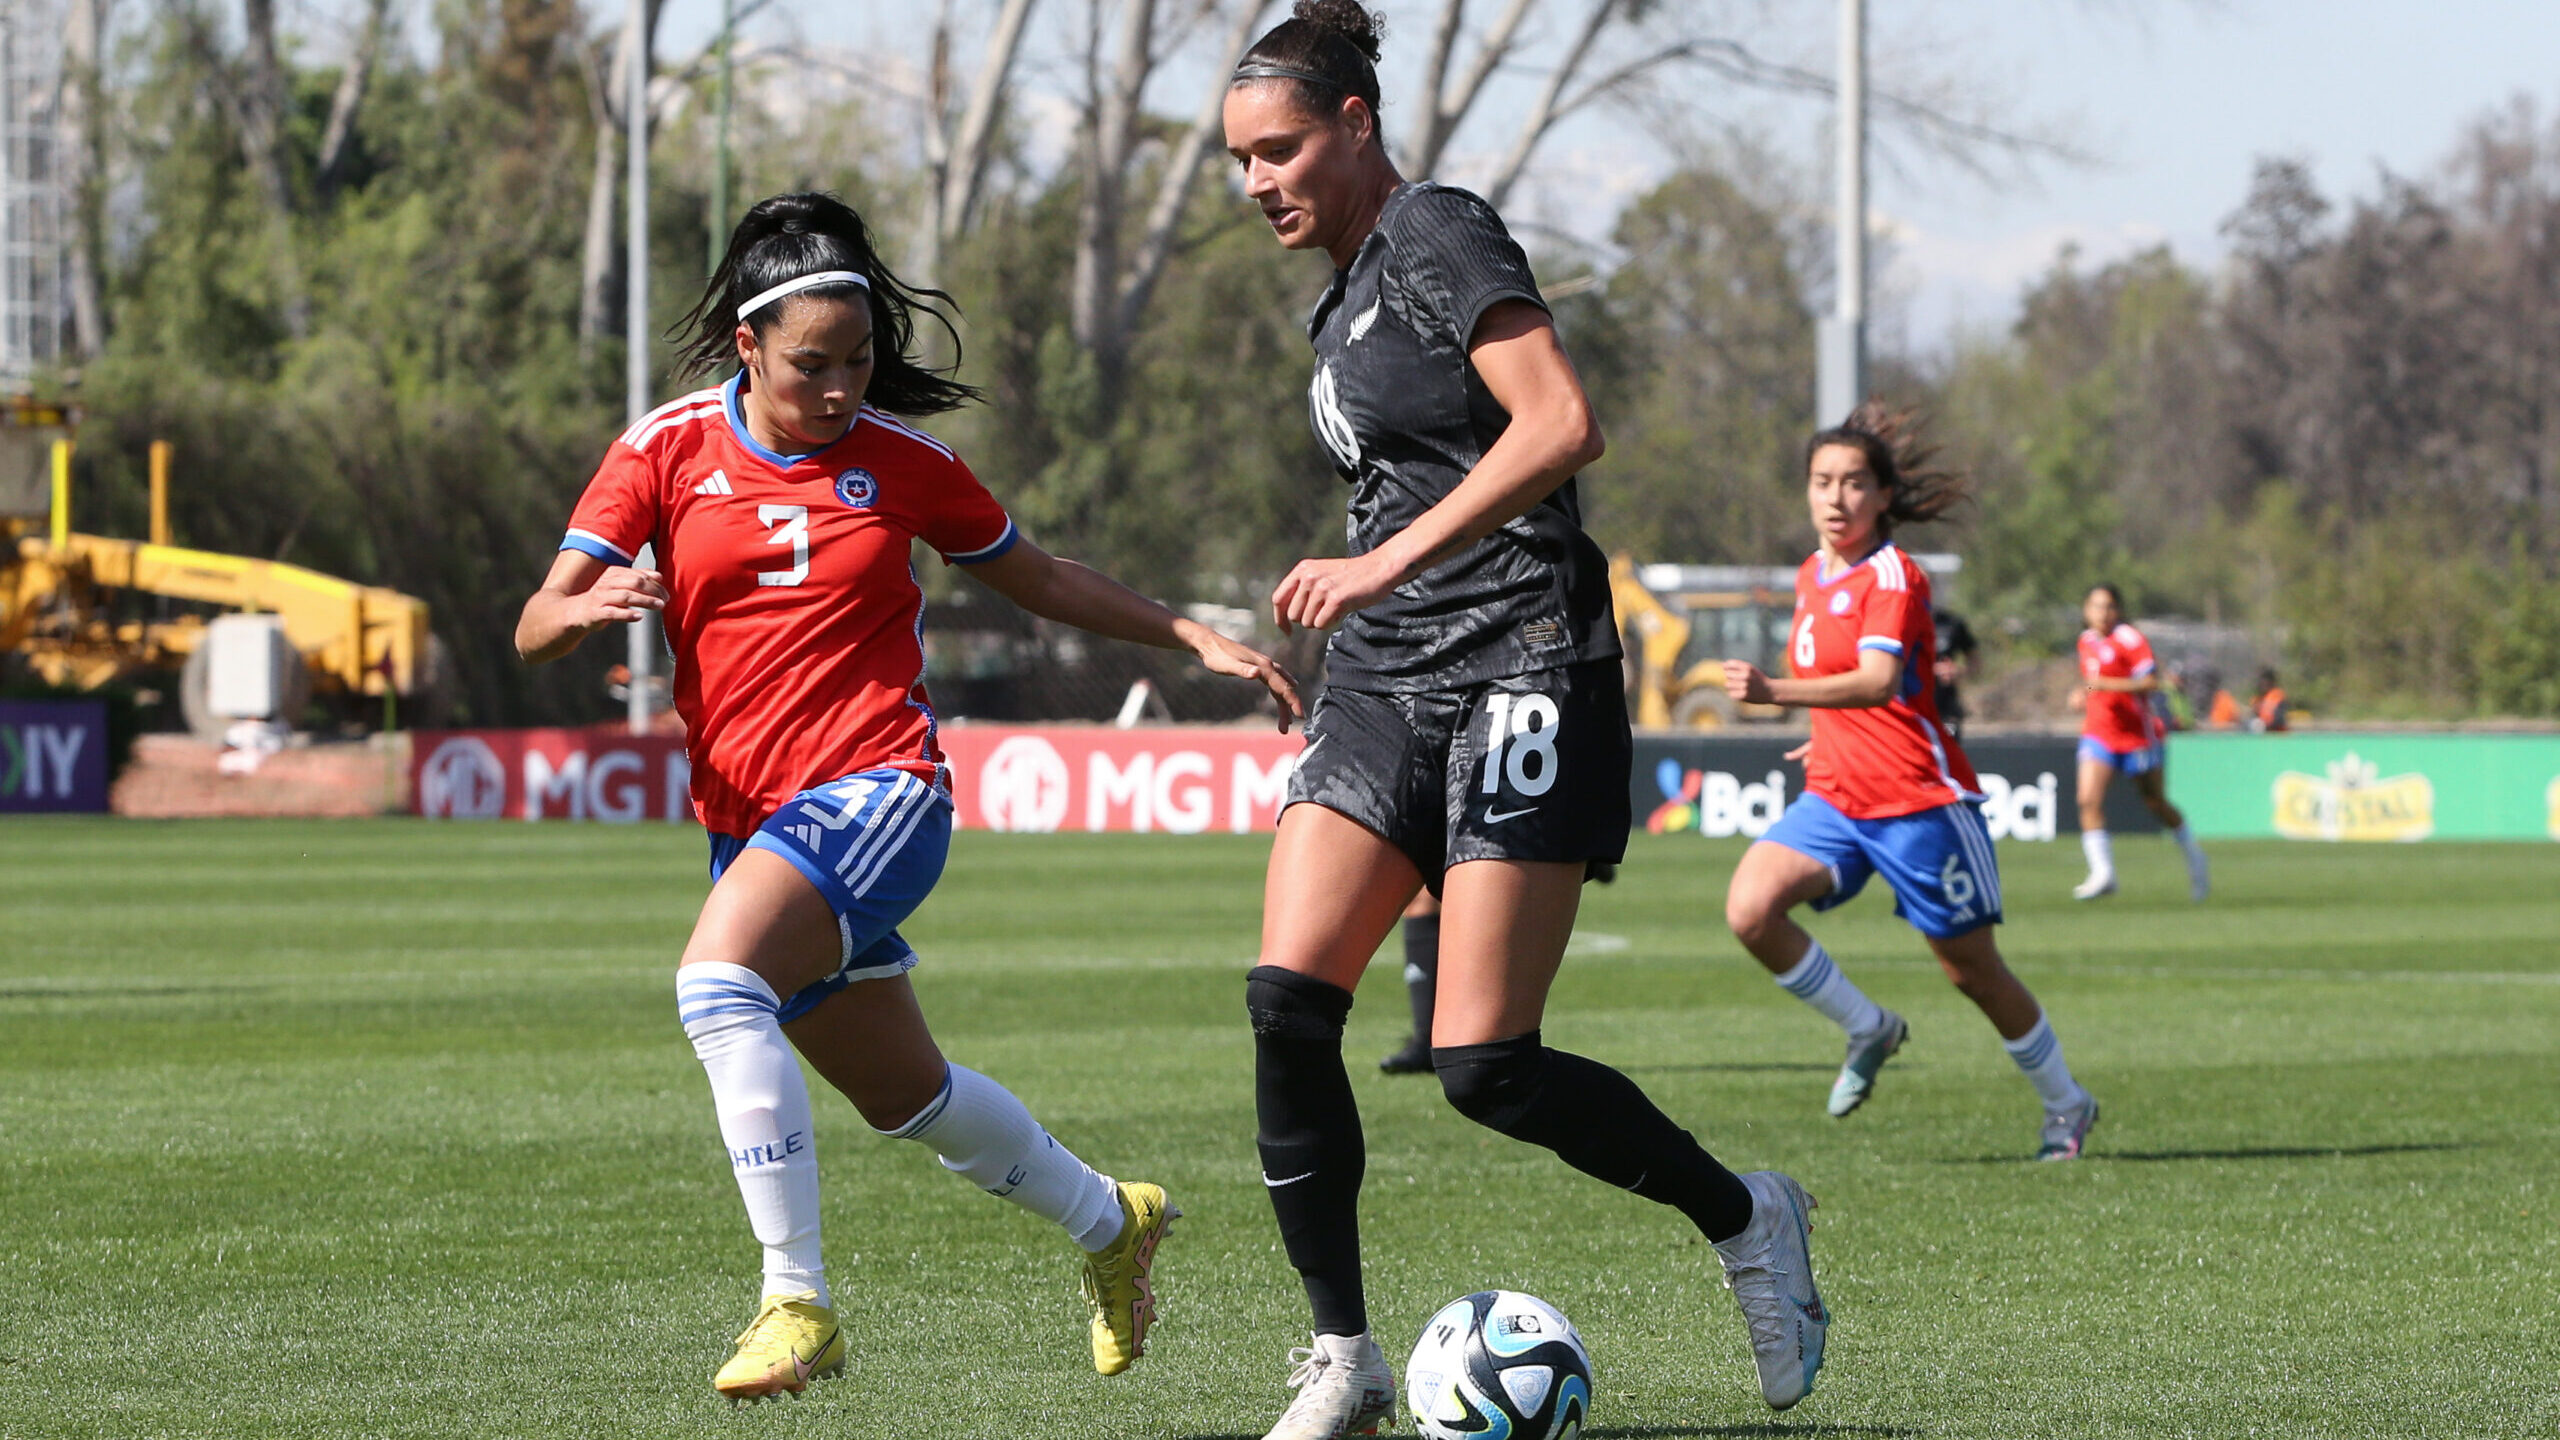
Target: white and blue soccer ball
[[1499, 1365]]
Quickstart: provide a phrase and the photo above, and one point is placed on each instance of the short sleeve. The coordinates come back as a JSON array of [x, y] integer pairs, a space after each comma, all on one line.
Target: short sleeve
[[1895, 617], [1458, 260], [2136, 651], [618, 512], [961, 520]]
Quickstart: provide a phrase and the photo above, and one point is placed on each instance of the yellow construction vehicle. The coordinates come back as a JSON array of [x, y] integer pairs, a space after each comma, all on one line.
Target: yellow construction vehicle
[[66, 611], [1682, 622]]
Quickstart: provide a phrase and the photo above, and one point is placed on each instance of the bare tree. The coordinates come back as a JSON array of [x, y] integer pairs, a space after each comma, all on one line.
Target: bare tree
[[84, 172], [1113, 282], [330, 169], [1451, 97], [958, 135], [259, 102]]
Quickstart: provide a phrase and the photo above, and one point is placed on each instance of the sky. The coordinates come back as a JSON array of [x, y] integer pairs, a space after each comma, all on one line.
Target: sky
[[2175, 100]]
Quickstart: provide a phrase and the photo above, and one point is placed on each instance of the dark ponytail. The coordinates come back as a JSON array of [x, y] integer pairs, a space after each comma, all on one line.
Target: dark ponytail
[[788, 236], [1891, 442], [1325, 50]]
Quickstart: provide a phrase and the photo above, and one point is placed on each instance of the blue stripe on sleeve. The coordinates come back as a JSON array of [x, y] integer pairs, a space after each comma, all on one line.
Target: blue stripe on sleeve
[[1003, 543], [588, 543]]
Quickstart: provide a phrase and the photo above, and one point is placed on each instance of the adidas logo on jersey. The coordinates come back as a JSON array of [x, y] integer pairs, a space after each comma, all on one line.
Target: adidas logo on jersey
[[806, 835], [718, 484]]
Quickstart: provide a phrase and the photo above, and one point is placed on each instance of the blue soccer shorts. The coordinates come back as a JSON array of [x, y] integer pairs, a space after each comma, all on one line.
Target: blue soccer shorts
[[873, 844], [1945, 879], [2123, 762]]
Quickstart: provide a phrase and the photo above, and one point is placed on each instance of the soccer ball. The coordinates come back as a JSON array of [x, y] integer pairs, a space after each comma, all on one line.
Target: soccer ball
[[1499, 1364]]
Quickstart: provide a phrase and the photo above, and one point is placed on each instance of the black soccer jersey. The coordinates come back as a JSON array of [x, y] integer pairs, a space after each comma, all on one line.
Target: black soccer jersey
[[1405, 417]]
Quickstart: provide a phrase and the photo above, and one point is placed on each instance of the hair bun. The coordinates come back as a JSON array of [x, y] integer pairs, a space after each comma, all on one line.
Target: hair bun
[[1350, 19]]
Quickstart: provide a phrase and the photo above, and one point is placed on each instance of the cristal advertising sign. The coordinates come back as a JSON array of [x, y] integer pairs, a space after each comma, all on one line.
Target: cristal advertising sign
[[53, 755], [2369, 787]]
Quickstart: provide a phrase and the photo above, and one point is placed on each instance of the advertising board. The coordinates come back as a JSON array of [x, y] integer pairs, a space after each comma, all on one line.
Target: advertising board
[[53, 756], [2369, 787]]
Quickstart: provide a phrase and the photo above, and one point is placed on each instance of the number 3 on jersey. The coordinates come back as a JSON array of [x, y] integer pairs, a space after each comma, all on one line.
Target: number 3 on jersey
[[1520, 742], [791, 527]]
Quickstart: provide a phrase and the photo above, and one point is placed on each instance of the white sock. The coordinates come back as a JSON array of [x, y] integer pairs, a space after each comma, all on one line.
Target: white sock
[[733, 1018], [1819, 983], [2187, 845], [2039, 1054], [982, 1132], [2102, 857]]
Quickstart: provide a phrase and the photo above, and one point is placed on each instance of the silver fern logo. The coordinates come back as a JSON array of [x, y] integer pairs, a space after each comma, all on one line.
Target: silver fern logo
[[1361, 322], [1332, 426]]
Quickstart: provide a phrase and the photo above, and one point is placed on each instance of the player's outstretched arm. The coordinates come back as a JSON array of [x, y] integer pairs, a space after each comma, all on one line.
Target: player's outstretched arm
[[580, 595], [1079, 595], [1873, 683]]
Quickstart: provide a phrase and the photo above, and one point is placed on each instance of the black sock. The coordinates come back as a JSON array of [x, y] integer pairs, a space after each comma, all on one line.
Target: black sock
[[1421, 971], [1312, 1152], [1597, 1121]]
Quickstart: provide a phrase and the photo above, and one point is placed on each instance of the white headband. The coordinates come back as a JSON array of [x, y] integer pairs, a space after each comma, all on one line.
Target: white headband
[[805, 282]]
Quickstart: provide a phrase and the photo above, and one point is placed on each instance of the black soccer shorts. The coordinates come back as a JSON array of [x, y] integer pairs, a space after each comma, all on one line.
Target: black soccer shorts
[[1532, 767]]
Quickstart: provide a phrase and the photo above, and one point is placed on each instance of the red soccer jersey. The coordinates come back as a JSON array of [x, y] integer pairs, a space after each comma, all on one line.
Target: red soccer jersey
[[2121, 720], [1890, 759], [795, 617]]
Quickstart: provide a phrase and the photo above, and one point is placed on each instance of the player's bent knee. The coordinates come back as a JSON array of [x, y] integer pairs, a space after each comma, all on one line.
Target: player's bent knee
[[1495, 1084], [1284, 1003]]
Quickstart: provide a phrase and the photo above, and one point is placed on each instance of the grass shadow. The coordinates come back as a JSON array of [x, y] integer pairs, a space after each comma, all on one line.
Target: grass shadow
[[1757, 1430], [1769, 1428], [122, 992], [2260, 1152], [1734, 1068]]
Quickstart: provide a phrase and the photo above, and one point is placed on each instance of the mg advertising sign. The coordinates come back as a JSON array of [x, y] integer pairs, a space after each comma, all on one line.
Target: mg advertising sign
[[53, 755], [548, 775], [1178, 781]]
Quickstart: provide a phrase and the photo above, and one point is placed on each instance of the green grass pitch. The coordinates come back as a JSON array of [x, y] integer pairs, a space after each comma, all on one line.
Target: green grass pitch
[[387, 1129]]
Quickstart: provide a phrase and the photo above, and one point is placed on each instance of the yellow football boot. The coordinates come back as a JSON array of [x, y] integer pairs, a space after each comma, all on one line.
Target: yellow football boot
[[1117, 1283], [793, 1341]]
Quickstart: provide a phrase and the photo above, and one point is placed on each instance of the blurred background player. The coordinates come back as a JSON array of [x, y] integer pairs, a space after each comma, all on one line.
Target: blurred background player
[[1421, 931], [1887, 790], [782, 506], [2122, 735], [2270, 711], [1956, 649], [1472, 736]]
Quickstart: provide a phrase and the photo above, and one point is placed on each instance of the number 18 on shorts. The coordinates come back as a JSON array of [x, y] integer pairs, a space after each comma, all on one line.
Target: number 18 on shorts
[[1530, 767]]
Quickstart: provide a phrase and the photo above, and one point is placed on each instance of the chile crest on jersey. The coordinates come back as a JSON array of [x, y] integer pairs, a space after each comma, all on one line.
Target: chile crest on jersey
[[857, 488]]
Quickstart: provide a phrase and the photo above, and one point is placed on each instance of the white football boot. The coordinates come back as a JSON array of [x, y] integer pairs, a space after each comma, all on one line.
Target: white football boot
[[1769, 1269], [1344, 1388], [2102, 883], [1867, 1054]]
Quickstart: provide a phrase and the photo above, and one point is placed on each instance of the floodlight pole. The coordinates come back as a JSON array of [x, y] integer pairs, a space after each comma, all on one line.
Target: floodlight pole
[[635, 320], [1841, 348]]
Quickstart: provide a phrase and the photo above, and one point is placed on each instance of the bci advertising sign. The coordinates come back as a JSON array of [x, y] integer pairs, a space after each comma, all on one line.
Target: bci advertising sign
[[53, 755], [1721, 785]]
